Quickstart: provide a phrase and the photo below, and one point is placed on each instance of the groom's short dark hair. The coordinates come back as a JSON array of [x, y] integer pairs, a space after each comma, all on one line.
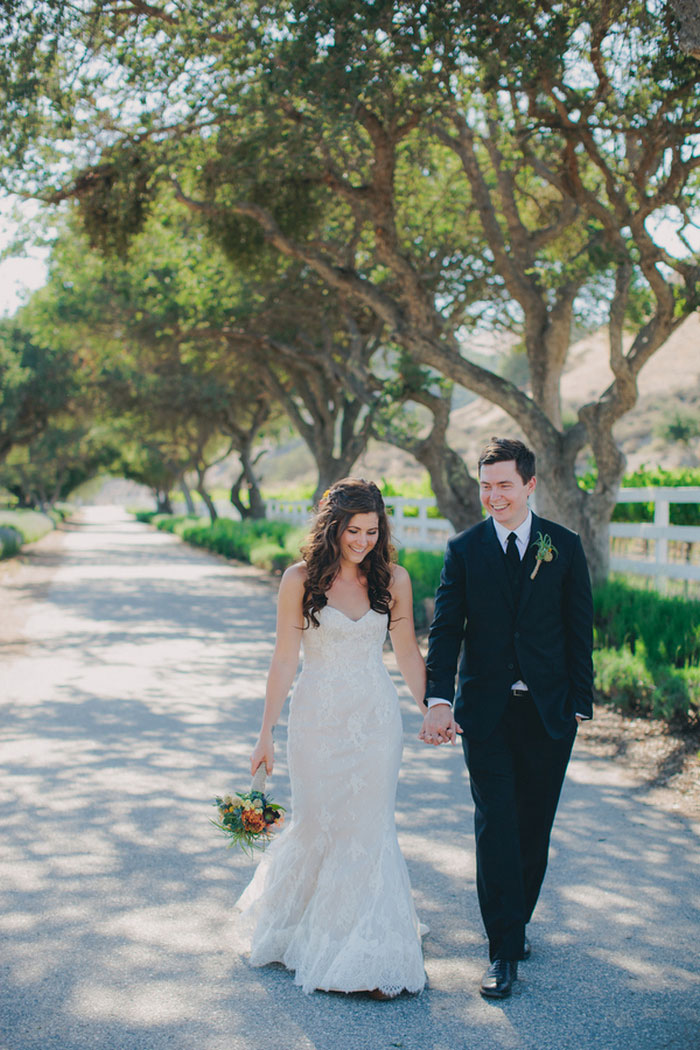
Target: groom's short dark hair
[[502, 450]]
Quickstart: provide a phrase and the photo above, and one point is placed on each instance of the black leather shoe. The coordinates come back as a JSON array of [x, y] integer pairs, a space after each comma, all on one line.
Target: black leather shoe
[[527, 950], [497, 982]]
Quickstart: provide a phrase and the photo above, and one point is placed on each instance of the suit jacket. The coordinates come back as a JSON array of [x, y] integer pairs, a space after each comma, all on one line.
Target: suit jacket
[[548, 632]]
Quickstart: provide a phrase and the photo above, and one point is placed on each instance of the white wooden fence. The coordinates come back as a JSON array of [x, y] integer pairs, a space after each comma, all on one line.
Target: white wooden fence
[[661, 532], [410, 524], [416, 529]]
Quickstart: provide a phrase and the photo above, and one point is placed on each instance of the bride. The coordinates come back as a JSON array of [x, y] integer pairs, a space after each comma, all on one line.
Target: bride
[[331, 898]]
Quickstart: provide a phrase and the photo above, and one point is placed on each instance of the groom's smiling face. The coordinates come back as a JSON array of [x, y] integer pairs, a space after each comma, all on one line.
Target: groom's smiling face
[[504, 493]]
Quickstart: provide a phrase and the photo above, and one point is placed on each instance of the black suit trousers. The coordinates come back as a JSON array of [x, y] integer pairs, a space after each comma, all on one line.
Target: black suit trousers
[[516, 775]]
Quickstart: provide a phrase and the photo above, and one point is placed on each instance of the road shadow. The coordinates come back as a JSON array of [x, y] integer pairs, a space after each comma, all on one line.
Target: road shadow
[[139, 701]]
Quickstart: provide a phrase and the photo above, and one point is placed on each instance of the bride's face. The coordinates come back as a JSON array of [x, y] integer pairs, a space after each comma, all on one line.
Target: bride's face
[[359, 537]]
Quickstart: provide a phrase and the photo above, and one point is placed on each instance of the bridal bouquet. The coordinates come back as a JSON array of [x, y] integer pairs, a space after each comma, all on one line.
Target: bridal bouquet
[[249, 817]]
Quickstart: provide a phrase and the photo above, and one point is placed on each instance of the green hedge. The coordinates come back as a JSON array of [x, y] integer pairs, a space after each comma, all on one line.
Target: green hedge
[[271, 545], [30, 525], [10, 541], [647, 651], [666, 630], [633, 684], [656, 477], [647, 646], [236, 539], [424, 568]]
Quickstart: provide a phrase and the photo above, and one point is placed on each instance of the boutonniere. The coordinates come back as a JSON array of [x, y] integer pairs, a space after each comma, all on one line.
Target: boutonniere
[[546, 551]]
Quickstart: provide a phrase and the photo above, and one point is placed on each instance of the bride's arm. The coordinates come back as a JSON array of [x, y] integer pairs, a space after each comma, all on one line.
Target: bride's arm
[[284, 661], [403, 636]]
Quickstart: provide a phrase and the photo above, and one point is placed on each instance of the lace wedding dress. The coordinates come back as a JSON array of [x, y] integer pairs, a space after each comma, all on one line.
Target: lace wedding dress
[[331, 899]]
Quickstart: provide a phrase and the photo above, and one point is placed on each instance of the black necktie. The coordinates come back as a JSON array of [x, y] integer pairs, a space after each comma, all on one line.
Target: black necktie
[[512, 556]]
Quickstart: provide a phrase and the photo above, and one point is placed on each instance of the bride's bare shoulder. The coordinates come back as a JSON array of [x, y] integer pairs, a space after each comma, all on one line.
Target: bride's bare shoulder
[[399, 578], [294, 577]]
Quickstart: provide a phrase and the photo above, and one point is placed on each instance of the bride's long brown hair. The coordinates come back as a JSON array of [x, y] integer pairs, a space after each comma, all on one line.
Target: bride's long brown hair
[[321, 552]]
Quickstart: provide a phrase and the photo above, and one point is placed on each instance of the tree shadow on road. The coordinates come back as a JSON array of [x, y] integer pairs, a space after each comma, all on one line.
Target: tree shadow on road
[[137, 703]]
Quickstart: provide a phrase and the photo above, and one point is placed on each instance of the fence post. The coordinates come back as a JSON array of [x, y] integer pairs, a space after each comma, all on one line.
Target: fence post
[[423, 522], [397, 520], [661, 517]]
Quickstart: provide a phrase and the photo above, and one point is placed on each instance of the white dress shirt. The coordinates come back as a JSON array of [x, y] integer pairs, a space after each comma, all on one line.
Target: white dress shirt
[[522, 534]]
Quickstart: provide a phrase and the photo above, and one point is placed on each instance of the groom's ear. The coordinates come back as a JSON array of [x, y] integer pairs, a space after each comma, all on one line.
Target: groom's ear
[[531, 485]]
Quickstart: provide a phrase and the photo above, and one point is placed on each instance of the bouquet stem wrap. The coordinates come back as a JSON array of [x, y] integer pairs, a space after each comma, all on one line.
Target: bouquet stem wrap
[[259, 779]]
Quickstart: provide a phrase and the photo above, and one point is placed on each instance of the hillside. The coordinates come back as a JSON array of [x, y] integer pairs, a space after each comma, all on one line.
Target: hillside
[[668, 383]]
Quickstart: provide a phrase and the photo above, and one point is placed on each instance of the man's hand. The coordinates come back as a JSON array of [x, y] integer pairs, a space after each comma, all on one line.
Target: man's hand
[[439, 726]]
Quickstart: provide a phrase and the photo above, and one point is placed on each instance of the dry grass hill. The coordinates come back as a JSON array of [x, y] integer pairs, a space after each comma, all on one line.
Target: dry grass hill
[[668, 384]]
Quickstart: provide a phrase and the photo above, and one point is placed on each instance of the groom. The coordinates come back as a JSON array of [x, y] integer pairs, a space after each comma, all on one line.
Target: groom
[[515, 599]]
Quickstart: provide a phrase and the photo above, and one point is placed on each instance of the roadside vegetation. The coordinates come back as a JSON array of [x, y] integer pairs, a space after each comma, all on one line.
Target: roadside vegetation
[[18, 527], [647, 646]]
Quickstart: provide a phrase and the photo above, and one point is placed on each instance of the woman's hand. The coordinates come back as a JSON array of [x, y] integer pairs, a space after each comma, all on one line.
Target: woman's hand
[[264, 751]]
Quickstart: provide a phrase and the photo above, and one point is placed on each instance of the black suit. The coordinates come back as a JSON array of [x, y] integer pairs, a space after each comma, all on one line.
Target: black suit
[[517, 750]]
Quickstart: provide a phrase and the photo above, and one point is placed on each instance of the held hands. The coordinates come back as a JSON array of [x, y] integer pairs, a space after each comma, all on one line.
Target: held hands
[[439, 726], [264, 751]]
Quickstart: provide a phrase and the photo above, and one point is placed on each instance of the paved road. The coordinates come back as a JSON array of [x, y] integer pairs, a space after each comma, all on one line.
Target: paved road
[[136, 701]]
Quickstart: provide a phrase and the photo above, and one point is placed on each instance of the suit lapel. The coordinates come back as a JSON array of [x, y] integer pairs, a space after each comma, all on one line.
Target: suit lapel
[[528, 585], [493, 555]]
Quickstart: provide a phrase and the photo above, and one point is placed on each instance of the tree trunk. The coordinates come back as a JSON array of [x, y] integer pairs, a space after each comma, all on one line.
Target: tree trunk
[[688, 14], [185, 489], [235, 497], [163, 504], [331, 469], [208, 501], [256, 502], [255, 508], [456, 491], [560, 498]]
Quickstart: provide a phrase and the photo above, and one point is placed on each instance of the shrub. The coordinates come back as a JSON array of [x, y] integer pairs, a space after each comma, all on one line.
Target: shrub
[[10, 541], [30, 524], [677, 694], [295, 541], [60, 511], [424, 568], [623, 679], [669, 628], [626, 680], [175, 523], [271, 556], [235, 539]]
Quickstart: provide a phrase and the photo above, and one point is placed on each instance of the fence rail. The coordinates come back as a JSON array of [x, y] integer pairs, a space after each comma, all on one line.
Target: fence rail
[[660, 533], [411, 526]]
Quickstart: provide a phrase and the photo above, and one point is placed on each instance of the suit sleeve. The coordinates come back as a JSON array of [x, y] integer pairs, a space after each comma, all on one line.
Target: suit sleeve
[[578, 614], [447, 629]]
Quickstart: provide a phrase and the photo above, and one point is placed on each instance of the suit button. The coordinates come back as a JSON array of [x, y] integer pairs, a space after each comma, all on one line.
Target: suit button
[[517, 634], [510, 667]]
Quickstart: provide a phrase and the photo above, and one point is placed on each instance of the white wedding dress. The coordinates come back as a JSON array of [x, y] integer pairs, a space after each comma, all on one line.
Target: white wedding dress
[[331, 898]]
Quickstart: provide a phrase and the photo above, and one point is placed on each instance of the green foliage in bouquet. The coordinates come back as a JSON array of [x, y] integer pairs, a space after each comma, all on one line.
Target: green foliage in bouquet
[[248, 819]]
